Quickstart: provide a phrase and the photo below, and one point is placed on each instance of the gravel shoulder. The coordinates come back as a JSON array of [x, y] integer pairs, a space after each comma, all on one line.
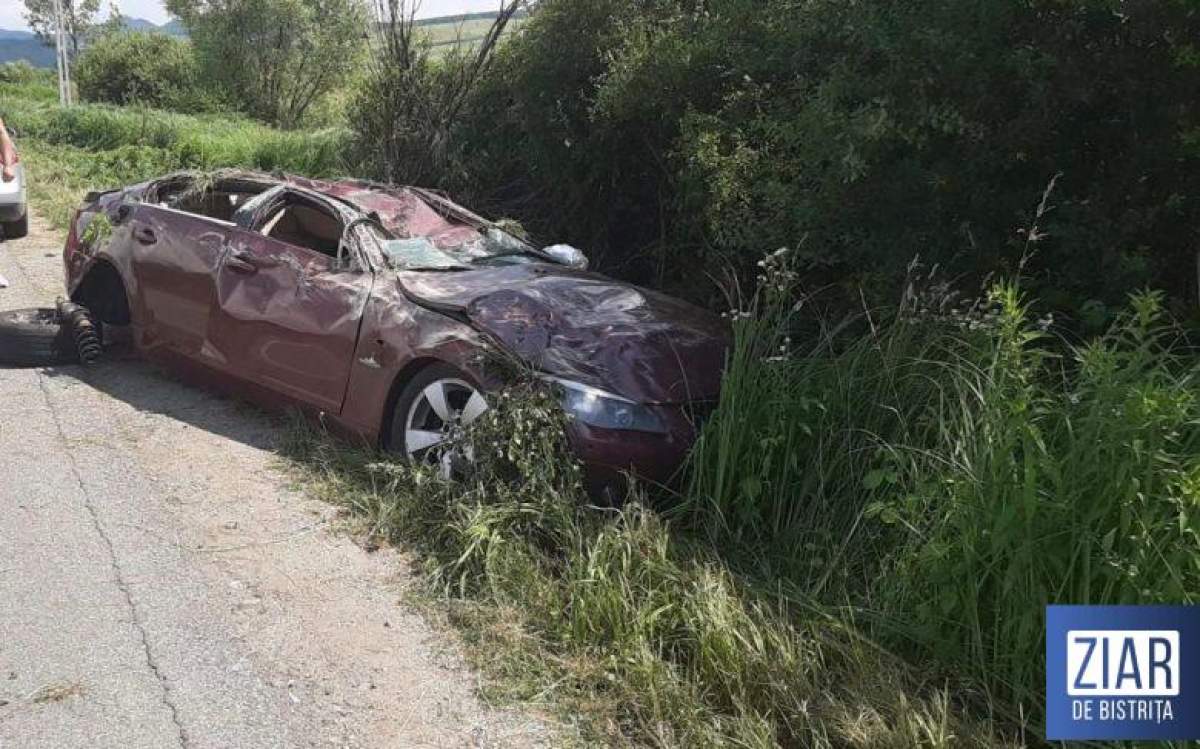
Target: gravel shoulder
[[163, 585]]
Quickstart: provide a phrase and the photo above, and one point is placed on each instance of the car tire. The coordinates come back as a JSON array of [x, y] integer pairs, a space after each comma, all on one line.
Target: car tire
[[17, 229], [34, 337], [437, 400]]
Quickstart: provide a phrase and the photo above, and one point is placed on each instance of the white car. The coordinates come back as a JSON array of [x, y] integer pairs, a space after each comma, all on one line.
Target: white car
[[14, 208]]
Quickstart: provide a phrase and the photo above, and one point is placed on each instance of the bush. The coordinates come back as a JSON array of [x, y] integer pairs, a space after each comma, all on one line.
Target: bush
[[406, 108], [137, 67], [675, 133]]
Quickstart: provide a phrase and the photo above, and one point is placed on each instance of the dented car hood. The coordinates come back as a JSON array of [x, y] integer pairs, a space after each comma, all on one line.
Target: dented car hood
[[630, 341]]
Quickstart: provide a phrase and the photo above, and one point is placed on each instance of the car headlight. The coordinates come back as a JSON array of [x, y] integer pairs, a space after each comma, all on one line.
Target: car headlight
[[604, 410]]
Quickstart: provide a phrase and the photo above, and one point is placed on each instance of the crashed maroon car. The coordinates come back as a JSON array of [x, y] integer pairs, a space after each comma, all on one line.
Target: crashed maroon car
[[371, 305]]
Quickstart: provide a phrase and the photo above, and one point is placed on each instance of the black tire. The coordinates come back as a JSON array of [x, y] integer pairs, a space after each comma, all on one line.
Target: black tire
[[33, 337], [17, 229]]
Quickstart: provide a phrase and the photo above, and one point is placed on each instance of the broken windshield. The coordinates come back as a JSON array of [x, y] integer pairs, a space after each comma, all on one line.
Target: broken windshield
[[418, 253]]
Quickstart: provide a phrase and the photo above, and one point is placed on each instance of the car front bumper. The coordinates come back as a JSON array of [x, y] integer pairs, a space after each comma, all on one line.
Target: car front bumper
[[608, 455]]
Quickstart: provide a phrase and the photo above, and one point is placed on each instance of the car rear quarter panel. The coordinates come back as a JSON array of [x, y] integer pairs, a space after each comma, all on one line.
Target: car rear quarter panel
[[83, 252]]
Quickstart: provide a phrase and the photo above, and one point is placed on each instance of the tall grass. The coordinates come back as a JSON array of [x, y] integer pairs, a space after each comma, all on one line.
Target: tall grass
[[638, 633], [950, 472], [190, 141]]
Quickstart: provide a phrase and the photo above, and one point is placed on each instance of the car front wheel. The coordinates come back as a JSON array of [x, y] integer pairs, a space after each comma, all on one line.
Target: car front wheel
[[431, 413]]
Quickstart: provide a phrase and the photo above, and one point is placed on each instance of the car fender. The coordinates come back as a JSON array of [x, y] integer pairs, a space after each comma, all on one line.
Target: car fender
[[397, 338]]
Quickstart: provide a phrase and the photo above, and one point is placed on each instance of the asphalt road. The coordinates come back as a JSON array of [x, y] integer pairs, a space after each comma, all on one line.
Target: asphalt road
[[162, 586]]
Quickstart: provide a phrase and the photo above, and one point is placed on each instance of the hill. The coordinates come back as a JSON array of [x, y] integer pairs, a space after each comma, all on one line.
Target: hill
[[18, 44], [23, 45]]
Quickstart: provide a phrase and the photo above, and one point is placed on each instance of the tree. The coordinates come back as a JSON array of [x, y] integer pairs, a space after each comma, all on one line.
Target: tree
[[79, 15], [278, 57], [137, 67], [666, 134], [409, 104]]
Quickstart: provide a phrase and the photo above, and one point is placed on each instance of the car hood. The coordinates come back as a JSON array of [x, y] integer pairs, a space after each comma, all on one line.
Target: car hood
[[630, 341]]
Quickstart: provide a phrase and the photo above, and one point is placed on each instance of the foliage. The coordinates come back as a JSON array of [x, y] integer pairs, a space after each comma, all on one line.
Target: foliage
[[952, 470], [641, 634], [279, 58], [682, 131], [405, 109], [137, 67], [21, 71], [22, 80], [79, 14]]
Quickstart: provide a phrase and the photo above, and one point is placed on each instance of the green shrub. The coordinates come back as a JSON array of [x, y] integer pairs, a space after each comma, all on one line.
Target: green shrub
[[407, 106], [659, 135], [137, 67], [277, 59]]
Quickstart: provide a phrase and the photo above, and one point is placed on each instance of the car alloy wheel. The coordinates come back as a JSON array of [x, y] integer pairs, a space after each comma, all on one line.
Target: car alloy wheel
[[434, 423]]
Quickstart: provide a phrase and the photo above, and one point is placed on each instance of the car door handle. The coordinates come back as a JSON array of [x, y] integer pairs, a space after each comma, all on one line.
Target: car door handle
[[240, 261], [145, 235]]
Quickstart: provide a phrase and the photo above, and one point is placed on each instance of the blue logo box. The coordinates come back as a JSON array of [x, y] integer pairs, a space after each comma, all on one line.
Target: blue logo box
[[1122, 672]]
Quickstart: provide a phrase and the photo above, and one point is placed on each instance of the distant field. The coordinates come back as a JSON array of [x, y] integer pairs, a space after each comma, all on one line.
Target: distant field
[[445, 33]]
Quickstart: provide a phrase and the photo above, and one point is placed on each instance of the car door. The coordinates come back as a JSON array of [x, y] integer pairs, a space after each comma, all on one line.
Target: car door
[[176, 257], [288, 315]]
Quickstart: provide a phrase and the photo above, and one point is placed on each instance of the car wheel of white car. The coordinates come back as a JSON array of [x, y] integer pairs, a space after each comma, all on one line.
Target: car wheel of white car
[[16, 229], [431, 413]]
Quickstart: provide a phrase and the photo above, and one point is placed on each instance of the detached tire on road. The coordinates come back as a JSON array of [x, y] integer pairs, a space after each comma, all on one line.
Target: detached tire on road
[[34, 337]]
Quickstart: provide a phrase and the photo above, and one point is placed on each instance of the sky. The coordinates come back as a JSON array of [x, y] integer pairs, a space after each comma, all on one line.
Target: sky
[[11, 11]]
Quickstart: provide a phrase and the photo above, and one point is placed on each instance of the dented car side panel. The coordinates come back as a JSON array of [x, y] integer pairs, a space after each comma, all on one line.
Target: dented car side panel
[[286, 319], [174, 259]]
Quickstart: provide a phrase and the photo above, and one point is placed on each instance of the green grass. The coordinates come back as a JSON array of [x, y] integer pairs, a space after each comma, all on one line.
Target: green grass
[[70, 150], [636, 632]]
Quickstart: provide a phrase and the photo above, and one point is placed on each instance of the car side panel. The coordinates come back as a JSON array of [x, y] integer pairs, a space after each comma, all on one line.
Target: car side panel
[[288, 322], [174, 258]]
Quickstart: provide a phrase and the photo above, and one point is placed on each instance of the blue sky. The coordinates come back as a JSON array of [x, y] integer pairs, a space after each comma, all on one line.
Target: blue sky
[[11, 11]]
